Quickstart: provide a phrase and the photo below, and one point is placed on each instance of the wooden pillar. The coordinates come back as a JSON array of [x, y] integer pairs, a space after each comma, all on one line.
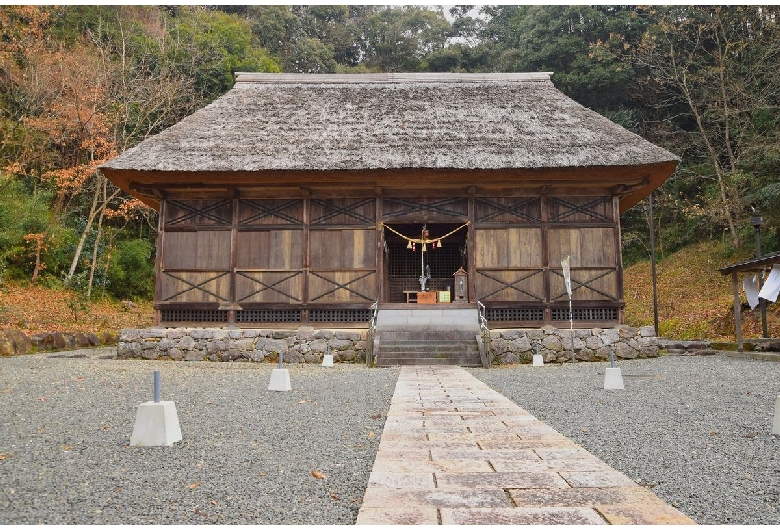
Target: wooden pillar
[[380, 248], [471, 244], [306, 251], [618, 259], [159, 263], [544, 218], [737, 310], [233, 262]]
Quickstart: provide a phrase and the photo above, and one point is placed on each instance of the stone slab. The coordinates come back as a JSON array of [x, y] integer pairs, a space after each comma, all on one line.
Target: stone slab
[[432, 466], [500, 480], [389, 498], [401, 480], [520, 516], [417, 515]]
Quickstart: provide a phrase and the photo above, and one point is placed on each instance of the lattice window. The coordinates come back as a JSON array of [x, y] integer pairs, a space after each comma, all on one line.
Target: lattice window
[[247, 316], [193, 315], [514, 315], [587, 313], [339, 315]]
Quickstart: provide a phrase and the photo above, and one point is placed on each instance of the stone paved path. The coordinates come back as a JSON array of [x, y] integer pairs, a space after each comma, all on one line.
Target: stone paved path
[[454, 451]]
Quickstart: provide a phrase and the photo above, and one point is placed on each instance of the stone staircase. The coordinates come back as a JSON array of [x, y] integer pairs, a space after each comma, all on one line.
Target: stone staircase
[[459, 348], [436, 334]]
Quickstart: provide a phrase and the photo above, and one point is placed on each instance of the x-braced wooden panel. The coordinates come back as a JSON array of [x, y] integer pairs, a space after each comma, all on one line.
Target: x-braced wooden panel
[[198, 212], [342, 286], [579, 209], [507, 210], [269, 287], [270, 212], [586, 284], [496, 286], [206, 286], [447, 208], [343, 211]]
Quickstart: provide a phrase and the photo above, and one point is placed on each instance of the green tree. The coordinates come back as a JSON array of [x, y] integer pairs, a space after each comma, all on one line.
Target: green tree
[[712, 72]]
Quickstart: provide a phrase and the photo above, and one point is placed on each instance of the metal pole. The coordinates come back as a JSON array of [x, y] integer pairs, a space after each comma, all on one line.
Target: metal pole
[[281, 360], [157, 386], [652, 261]]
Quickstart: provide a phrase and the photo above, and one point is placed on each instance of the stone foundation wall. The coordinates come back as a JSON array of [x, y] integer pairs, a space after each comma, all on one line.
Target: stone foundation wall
[[307, 345], [511, 346], [303, 345]]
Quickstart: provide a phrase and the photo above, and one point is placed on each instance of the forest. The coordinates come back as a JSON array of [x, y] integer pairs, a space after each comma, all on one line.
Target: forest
[[80, 84]]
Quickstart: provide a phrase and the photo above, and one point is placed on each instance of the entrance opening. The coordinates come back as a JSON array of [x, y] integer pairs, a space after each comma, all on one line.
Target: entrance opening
[[405, 266]]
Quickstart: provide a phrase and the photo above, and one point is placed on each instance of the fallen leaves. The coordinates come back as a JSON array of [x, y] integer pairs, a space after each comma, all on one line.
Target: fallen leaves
[[38, 310], [194, 485], [371, 434], [3, 456], [376, 416], [317, 474]]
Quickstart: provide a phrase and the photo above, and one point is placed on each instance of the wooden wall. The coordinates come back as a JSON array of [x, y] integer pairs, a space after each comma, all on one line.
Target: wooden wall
[[255, 260]]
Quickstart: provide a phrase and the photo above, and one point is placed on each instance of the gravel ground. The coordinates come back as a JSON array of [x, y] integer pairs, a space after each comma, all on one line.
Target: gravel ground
[[246, 457], [696, 430]]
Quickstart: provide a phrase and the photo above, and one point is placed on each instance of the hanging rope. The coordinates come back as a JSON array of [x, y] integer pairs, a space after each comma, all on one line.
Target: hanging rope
[[423, 240]]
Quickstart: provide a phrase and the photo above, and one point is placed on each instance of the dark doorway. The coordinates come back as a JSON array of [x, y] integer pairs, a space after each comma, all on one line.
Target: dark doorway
[[404, 266]]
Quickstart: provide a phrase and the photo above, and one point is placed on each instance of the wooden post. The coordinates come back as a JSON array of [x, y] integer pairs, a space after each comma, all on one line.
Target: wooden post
[[306, 252], [737, 310], [159, 260], [471, 243]]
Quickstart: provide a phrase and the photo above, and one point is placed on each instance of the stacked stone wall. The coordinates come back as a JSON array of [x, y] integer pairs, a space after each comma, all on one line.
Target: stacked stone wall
[[510, 346], [306, 345], [223, 344]]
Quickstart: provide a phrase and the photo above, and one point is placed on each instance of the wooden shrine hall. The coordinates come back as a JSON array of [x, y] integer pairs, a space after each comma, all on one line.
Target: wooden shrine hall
[[299, 199]]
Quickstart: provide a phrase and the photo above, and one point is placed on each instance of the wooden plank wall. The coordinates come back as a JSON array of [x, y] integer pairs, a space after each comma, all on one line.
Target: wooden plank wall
[[521, 241], [262, 252], [310, 252]]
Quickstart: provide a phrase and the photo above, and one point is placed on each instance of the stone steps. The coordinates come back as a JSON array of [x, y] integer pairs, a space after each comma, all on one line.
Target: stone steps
[[398, 348]]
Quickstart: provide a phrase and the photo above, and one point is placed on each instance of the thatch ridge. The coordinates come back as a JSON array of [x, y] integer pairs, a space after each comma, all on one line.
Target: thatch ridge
[[391, 121]]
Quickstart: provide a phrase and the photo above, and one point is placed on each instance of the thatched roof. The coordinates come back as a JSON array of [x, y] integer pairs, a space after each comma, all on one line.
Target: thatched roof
[[390, 121]]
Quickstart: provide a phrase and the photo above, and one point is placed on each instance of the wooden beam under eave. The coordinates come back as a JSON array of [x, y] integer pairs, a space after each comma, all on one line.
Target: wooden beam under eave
[[580, 180]]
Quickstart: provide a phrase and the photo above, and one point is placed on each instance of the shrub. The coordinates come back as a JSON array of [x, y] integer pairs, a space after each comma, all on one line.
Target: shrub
[[131, 271]]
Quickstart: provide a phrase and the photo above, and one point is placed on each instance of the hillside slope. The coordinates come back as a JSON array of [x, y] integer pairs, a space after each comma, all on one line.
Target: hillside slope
[[695, 301], [35, 309]]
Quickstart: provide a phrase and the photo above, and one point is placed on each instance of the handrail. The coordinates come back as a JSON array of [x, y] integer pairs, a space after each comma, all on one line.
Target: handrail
[[371, 333], [485, 332]]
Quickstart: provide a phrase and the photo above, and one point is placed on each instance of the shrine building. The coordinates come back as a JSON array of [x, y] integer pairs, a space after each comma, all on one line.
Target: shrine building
[[302, 200]]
